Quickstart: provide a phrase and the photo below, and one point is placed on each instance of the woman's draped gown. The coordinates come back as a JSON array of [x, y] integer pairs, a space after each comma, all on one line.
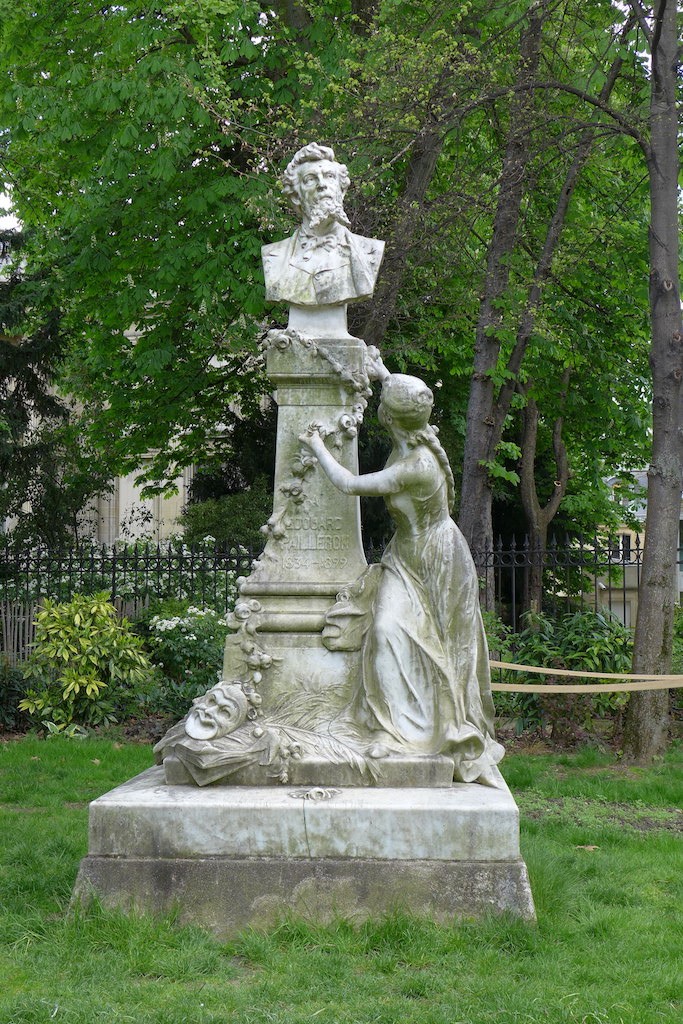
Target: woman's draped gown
[[425, 669]]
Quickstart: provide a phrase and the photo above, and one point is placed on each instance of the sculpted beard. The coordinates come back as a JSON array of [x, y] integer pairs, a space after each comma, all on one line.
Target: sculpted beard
[[326, 208]]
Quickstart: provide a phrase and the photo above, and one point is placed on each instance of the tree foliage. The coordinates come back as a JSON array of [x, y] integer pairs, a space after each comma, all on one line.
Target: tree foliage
[[147, 201], [47, 471], [506, 151], [467, 127]]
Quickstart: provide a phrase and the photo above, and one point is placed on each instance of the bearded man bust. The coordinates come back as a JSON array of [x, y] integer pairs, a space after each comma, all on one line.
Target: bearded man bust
[[322, 263]]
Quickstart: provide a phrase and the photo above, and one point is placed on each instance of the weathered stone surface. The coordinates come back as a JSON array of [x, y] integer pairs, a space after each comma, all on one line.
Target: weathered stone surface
[[301, 664], [337, 661], [322, 264], [425, 679], [227, 857], [145, 818], [226, 895], [394, 771], [314, 545]]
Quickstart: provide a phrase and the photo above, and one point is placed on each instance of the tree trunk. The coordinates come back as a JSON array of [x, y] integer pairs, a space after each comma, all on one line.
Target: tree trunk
[[487, 411], [475, 500], [647, 717], [424, 155], [539, 517]]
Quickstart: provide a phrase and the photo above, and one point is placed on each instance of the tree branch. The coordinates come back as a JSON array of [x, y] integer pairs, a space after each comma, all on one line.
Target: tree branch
[[641, 16], [544, 264]]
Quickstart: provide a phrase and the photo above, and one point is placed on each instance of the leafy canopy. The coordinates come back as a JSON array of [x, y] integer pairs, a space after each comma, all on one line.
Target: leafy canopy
[[144, 143]]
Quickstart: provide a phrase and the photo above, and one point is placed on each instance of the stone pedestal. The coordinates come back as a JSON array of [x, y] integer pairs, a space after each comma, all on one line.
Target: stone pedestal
[[228, 857], [330, 832], [314, 545]]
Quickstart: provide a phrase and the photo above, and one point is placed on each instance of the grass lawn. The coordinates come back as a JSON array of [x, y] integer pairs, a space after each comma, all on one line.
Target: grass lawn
[[605, 853]]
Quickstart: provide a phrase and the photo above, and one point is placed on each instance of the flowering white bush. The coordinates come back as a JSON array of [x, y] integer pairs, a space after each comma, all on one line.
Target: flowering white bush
[[188, 648]]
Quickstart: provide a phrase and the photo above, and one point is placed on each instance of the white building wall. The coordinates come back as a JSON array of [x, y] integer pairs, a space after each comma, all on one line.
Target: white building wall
[[125, 515]]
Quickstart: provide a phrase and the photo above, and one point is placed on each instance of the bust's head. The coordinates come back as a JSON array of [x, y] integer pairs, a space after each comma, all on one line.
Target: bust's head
[[315, 184], [406, 401]]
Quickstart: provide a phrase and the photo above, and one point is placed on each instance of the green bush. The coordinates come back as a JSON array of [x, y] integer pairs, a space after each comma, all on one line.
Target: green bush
[[586, 641], [499, 636], [677, 667], [186, 644], [234, 518], [12, 689], [87, 668]]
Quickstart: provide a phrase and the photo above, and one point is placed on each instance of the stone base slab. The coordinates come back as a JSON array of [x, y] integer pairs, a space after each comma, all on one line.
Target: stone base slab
[[227, 895], [146, 818], [228, 857]]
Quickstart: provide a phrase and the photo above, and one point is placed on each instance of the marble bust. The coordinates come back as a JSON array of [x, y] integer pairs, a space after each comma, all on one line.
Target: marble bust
[[322, 263]]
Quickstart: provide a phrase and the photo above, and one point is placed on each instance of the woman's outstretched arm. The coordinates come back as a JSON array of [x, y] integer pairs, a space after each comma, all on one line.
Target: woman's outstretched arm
[[390, 480]]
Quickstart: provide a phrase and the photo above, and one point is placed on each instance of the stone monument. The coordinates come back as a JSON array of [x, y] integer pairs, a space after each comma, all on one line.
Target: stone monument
[[345, 762]]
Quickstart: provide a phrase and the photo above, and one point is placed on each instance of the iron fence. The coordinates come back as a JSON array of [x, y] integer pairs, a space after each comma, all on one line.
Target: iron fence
[[131, 573], [598, 573], [602, 574]]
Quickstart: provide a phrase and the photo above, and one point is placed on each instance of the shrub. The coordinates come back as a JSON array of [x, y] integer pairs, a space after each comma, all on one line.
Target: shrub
[[584, 640], [233, 518], [499, 636], [12, 689], [677, 667], [187, 646], [521, 708], [87, 668]]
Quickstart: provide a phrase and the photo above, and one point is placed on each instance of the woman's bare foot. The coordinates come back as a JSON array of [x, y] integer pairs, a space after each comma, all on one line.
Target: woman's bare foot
[[382, 744]]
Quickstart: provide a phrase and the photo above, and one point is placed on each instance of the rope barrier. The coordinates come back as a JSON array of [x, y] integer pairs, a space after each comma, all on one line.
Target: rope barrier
[[633, 681]]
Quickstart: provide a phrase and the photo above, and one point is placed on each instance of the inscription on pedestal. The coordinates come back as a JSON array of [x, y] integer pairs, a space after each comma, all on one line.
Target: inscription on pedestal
[[316, 542]]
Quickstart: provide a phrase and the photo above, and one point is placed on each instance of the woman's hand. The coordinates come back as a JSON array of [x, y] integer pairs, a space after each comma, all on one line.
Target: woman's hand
[[313, 438], [374, 367]]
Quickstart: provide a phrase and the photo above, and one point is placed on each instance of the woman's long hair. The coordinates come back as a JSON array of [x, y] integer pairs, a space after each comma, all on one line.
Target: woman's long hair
[[428, 437]]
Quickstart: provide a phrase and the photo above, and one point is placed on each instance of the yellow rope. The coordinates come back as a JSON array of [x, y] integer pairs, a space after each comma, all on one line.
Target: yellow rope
[[634, 681]]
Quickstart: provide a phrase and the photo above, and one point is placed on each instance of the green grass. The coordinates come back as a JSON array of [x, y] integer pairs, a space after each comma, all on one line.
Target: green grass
[[604, 851]]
